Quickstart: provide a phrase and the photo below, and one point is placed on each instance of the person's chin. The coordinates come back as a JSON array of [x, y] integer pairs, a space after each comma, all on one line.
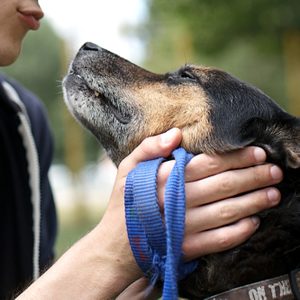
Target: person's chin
[[8, 56]]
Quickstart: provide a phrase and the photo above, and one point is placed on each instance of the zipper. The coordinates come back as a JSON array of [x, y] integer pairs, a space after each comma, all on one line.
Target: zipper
[[34, 173]]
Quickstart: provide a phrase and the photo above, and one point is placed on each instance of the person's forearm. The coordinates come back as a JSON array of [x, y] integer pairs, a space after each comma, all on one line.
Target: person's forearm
[[91, 269]]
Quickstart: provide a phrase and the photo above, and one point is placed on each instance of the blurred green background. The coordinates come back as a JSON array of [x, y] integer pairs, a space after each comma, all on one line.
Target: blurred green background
[[255, 40]]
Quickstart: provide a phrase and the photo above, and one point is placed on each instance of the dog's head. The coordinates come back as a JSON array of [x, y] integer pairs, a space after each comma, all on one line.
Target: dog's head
[[122, 104]]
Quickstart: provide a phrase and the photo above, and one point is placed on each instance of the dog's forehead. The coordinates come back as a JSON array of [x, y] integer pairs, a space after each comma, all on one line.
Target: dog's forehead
[[161, 89]]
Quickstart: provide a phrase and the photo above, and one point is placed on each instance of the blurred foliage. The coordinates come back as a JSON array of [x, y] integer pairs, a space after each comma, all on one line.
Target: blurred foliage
[[246, 38], [41, 67], [215, 23]]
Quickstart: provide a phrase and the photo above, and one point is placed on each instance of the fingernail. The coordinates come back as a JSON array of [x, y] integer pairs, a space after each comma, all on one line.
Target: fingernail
[[255, 220], [259, 154], [168, 136], [276, 173], [273, 196]]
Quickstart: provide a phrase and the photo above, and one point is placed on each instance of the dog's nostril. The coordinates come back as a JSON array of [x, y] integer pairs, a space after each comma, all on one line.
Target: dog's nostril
[[90, 47]]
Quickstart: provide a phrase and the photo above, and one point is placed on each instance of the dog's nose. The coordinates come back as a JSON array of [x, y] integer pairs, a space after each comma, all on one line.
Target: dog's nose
[[90, 47]]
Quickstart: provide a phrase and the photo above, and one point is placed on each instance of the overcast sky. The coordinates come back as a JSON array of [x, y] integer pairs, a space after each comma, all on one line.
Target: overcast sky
[[98, 21]]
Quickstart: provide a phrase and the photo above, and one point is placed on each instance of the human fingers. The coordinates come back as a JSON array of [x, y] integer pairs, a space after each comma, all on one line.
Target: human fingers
[[217, 163], [219, 239], [230, 183], [204, 165], [227, 211], [152, 147]]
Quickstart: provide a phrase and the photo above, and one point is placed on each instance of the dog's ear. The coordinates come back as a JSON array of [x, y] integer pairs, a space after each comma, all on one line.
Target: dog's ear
[[279, 137], [293, 157]]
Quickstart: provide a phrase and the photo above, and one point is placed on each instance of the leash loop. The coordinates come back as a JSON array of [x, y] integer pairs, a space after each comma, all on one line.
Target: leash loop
[[156, 245]]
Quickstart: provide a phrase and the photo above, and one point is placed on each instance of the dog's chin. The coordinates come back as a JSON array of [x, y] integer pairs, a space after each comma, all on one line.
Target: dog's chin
[[111, 120]]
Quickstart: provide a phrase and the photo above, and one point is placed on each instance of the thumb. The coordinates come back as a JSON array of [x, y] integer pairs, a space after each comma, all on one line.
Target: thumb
[[152, 147]]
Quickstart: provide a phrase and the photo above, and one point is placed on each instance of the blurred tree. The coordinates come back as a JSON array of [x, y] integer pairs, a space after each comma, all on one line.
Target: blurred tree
[[40, 68], [246, 37]]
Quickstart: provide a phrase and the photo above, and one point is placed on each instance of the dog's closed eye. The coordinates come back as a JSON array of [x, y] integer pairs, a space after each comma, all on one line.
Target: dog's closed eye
[[182, 76], [187, 74]]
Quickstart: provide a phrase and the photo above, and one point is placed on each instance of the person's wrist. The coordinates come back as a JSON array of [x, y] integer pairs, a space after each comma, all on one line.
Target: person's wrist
[[114, 247], [113, 254]]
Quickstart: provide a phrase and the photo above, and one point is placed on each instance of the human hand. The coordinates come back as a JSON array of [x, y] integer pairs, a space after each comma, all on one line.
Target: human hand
[[223, 194], [216, 218]]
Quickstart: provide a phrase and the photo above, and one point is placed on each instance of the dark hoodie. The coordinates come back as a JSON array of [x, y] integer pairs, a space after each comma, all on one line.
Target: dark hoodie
[[27, 212]]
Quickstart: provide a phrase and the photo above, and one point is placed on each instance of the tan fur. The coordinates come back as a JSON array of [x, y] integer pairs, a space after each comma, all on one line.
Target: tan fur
[[164, 107]]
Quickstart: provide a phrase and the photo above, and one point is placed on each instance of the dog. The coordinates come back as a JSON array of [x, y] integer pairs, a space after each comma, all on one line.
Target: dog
[[121, 104]]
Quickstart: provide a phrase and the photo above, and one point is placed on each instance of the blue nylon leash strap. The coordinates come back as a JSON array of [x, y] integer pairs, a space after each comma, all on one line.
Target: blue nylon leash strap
[[157, 245]]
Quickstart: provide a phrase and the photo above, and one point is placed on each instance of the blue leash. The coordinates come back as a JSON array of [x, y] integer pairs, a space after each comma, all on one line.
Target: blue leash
[[156, 245]]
